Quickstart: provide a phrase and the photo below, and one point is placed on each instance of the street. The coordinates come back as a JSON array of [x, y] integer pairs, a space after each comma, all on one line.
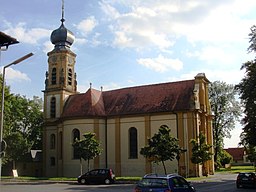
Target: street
[[216, 183]]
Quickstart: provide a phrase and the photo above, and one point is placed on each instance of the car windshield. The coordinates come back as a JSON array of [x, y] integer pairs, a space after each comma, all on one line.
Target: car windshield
[[246, 174], [154, 182]]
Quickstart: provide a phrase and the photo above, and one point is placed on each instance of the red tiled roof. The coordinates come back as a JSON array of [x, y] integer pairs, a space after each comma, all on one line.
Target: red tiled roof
[[86, 104], [165, 97], [236, 153]]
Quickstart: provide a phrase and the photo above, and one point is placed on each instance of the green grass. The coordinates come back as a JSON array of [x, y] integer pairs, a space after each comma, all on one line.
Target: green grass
[[237, 169]]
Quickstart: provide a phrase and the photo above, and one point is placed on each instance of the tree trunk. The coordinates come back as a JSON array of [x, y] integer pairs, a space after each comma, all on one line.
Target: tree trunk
[[164, 168], [88, 165], [81, 166]]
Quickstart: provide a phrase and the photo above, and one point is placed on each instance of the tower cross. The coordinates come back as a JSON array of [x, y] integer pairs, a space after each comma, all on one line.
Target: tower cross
[[62, 15]]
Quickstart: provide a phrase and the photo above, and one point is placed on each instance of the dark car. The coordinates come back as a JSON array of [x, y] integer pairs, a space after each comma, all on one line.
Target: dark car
[[166, 183], [104, 176], [246, 179]]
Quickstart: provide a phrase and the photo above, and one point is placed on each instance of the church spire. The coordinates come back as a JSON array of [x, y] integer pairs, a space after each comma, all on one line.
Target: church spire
[[62, 13], [62, 38]]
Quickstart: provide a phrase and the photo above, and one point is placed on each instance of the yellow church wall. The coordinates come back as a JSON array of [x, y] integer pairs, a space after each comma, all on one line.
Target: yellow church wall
[[169, 120], [50, 153], [111, 139], [71, 166], [132, 167]]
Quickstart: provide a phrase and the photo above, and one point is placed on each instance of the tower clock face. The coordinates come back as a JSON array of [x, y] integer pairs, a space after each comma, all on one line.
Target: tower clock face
[[54, 59], [70, 60]]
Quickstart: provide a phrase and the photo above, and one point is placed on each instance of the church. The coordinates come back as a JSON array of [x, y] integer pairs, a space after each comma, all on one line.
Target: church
[[122, 119]]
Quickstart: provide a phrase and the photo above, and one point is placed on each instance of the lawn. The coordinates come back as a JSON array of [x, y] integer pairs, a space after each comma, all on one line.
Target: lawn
[[237, 169]]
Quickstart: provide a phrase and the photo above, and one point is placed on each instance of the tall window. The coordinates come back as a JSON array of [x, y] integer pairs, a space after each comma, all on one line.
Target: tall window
[[60, 145], [52, 141], [52, 161], [76, 135], [133, 143], [54, 76], [53, 107], [70, 77]]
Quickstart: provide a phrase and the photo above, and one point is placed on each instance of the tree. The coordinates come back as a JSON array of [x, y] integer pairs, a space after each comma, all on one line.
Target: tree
[[247, 90], [87, 148], [226, 110], [225, 158], [162, 147], [201, 151], [23, 121]]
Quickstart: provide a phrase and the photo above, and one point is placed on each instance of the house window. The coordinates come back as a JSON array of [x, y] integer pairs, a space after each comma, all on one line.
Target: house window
[[54, 76], [53, 107], [52, 161], [52, 141], [133, 143], [76, 136], [70, 77]]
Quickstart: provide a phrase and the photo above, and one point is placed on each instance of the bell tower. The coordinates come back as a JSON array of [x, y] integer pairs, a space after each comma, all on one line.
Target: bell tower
[[60, 79]]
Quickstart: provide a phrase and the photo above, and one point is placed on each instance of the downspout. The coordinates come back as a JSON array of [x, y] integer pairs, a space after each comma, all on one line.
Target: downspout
[[106, 142]]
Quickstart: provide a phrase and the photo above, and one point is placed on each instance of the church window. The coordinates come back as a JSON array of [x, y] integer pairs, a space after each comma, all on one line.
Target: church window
[[53, 107], [52, 141], [76, 136], [54, 76], [52, 161], [60, 145], [133, 143], [70, 77]]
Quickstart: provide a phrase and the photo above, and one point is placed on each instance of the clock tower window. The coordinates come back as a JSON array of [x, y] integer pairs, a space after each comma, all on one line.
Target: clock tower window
[[70, 77], [53, 107], [54, 76]]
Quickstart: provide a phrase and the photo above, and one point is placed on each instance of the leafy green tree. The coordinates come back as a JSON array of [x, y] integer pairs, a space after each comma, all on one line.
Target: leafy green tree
[[23, 121], [251, 151], [162, 147], [226, 110], [247, 90], [87, 148], [225, 158], [201, 151]]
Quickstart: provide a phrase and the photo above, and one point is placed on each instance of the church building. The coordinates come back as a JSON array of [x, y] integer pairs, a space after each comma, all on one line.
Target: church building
[[122, 119]]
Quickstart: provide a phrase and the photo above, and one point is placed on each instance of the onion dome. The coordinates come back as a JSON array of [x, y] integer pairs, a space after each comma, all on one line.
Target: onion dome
[[62, 38]]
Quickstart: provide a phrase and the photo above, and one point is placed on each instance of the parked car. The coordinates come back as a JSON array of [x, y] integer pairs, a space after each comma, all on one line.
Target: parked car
[[246, 179], [166, 183], [105, 176]]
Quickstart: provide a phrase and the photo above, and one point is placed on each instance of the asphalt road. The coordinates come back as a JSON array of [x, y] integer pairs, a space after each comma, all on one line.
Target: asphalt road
[[216, 183]]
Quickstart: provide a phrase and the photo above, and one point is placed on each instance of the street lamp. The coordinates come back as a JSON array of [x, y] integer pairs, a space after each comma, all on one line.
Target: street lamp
[[2, 103]]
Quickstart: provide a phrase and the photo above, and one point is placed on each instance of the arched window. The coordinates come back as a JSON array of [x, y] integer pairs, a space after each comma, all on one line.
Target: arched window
[[52, 141], [70, 77], [76, 136], [53, 107], [53, 76], [133, 143]]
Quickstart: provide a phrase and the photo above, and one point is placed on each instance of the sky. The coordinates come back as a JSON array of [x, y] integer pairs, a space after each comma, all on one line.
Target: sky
[[125, 43]]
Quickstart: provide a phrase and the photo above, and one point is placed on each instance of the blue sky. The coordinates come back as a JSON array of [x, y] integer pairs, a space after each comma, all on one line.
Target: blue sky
[[123, 43]]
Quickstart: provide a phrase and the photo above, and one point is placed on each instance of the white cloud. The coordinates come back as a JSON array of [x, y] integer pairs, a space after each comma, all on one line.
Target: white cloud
[[159, 23], [27, 35], [15, 75], [161, 63], [86, 26], [231, 76]]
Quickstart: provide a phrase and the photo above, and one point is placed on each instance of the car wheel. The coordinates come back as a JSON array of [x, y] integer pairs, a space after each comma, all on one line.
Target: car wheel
[[83, 181], [238, 186], [107, 181]]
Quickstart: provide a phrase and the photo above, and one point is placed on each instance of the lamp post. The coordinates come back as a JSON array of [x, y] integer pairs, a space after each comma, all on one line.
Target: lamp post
[[2, 103]]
